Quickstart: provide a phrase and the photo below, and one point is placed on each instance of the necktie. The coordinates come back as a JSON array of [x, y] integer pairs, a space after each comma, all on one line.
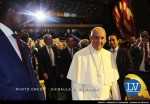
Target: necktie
[[71, 51], [51, 54]]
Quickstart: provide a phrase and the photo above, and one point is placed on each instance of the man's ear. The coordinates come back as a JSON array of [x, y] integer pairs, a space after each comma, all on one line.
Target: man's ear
[[90, 38], [105, 41], [118, 41]]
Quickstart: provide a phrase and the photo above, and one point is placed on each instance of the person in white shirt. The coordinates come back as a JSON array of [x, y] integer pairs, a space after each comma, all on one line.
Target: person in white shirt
[[121, 60], [91, 72]]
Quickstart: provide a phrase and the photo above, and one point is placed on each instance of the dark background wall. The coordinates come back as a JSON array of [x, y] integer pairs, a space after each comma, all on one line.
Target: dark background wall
[[91, 11], [141, 10]]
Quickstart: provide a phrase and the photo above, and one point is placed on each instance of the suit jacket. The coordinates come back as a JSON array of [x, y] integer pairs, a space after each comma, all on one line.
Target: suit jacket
[[15, 76], [123, 61], [64, 60], [46, 65], [137, 56], [63, 64], [67, 58], [37, 57]]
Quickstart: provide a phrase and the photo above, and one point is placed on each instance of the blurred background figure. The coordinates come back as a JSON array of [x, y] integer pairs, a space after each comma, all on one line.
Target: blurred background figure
[[65, 58], [47, 63], [135, 52], [143, 44], [72, 45], [83, 43]]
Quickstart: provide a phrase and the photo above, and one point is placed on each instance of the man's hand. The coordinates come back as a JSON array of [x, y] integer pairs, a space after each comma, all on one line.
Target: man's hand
[[61, 76], [45, 76]]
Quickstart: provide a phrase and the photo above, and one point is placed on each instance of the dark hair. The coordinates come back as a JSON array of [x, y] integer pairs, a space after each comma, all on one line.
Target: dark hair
[[24, 37], [4, 6], [68, 37], [115, 34], [145, 34]]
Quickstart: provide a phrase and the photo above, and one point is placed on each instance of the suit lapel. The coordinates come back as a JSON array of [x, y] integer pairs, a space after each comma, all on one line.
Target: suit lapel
[[117, 57], [6, 45], [46, 55], [46, 52]]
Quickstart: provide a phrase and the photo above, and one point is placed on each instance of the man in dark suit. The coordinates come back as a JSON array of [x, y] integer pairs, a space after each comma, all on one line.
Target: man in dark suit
[[135, 52], [67, 55], [47, 61], [122, 60], [72, 45], [63, 63], [17, 78], [68, 52]]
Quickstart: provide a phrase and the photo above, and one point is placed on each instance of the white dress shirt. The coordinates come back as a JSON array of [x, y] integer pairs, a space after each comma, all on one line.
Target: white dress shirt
[[51, 55], [8, 33], [70, 51], [114, 56]]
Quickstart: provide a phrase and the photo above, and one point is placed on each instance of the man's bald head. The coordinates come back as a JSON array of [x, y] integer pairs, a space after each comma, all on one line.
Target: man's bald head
[[97, 29], [98, 37]]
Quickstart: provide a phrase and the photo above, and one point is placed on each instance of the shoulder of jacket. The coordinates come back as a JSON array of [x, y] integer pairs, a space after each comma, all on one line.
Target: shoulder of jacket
[[42, 48]]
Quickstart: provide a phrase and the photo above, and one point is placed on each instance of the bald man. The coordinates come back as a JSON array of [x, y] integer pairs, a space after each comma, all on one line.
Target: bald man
[[92, 72]]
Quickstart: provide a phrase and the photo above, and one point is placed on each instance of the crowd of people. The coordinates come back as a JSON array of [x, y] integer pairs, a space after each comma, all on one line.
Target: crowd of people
[[52, 57]]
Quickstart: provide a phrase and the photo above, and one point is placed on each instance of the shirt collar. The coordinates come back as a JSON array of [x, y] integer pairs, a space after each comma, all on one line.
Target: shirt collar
[[48, 46], [8, 32], [116, 49]]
